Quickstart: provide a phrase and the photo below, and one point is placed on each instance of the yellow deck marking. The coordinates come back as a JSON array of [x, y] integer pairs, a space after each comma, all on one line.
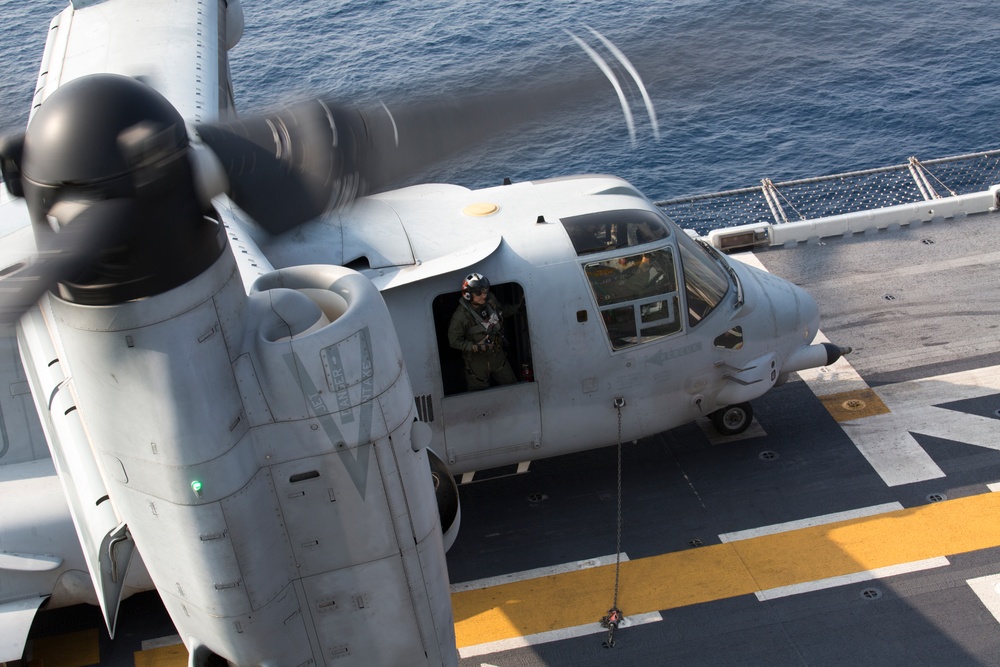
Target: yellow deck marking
[[727, 570], [850, 405], [74, 649], [175, 655]]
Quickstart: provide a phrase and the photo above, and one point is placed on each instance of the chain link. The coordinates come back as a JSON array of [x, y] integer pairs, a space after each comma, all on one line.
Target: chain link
[[618, 527], [614, 615]]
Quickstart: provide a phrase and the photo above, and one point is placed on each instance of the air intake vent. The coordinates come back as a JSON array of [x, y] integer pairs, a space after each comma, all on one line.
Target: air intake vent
[[425, 408]]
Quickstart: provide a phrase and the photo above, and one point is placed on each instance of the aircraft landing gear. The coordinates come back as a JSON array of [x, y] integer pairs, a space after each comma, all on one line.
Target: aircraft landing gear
[[732, 419]]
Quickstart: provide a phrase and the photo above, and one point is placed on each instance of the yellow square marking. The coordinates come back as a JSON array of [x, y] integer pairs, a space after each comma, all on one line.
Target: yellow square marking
[[75, 649], [175, 655], [854, 405]]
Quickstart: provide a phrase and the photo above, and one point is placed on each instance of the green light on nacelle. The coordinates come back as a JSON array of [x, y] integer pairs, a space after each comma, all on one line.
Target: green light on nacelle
[[196, 487]]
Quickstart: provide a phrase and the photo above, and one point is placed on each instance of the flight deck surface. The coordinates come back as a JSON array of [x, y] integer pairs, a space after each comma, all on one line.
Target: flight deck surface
[[854, 523]]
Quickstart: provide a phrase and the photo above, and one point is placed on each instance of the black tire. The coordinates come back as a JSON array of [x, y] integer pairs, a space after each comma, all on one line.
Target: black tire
[[732, 419]]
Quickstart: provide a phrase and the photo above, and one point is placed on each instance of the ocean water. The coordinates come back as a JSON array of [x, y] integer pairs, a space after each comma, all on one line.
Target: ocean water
[[743, 89]]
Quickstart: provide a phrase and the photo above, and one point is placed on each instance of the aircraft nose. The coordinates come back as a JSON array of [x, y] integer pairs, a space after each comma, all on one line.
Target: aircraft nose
[[794, 311], [799, 325], [808, 311]]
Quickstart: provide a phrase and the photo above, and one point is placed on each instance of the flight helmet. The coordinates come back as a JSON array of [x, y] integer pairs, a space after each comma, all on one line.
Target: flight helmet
[[474, 283]]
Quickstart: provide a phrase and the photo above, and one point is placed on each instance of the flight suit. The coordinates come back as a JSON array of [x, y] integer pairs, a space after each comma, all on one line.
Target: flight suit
[[478, 334]]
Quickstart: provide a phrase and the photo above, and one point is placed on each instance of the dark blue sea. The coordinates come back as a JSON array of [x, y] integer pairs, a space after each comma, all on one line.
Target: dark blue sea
[[743, 89]]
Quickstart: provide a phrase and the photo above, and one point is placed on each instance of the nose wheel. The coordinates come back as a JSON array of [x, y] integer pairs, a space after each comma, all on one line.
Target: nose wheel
[[732, 419]]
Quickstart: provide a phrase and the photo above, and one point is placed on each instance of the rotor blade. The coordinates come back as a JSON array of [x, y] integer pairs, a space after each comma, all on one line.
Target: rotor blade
[[289, 167], [602, 64], [65, 254], [630, 68]]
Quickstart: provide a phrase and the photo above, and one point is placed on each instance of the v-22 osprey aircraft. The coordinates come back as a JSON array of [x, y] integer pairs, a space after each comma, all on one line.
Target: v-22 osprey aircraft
[[235, 340]]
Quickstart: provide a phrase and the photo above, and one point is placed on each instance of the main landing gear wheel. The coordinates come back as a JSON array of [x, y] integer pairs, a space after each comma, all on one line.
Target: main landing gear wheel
[[733, 419]]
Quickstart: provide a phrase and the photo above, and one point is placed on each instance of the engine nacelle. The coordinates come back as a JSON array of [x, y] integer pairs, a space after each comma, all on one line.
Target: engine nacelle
[[259, 449]]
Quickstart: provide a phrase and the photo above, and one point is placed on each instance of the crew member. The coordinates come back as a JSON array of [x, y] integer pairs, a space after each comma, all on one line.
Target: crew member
[[476, 330]]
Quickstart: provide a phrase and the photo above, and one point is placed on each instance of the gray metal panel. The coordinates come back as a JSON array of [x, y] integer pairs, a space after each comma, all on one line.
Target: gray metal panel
[[459, 259], [381, 239], [344, 603], [258, 538], [330, 523], [21, 437], [507, 417]]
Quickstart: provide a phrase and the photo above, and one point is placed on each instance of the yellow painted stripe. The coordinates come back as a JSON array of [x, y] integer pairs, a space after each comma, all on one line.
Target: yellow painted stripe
[[74, 649], [727, 570], [175, 655]]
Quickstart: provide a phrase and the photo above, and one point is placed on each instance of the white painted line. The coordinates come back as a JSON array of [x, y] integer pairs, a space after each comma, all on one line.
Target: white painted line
[[554, 636], [169, 640], [467, 477], [857, 577], [810, 522], [886, 440], [891, 450], [988, 590], [837, 378], [994, 487], [895, 456], [524, 575], [522, 467]]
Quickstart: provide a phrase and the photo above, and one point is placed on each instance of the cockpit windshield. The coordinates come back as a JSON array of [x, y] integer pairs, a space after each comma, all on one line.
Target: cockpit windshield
[[612, 230], [705, 281]]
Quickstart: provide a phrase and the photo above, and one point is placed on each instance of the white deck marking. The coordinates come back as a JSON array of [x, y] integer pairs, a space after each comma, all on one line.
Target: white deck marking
[[469, 477], [524, 575], [837, 378], [994, 487], [810, 522], [886, 440], [857, 577], [988, 590], [554, 636]]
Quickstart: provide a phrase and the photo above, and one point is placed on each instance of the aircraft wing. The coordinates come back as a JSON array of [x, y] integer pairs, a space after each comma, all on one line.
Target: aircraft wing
[[40, 512], [21, 437]]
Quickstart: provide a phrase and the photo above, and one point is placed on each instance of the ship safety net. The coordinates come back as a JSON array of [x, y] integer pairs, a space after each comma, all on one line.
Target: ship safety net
[[824, 196]]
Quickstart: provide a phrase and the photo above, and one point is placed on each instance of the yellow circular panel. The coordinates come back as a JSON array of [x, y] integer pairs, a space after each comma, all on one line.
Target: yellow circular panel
[[481, 209]]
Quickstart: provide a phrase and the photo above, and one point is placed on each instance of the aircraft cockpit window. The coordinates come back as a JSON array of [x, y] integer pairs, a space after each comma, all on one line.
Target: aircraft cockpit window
[[612, 230], [705, 282], [637, 296]]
